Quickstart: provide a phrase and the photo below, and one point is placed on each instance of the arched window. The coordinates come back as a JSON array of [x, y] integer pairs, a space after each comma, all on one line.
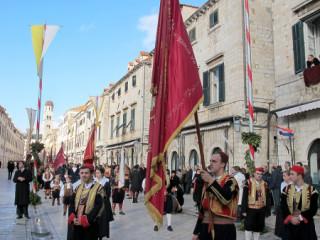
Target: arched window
[[174, 161], [194, 158], [314, 161]]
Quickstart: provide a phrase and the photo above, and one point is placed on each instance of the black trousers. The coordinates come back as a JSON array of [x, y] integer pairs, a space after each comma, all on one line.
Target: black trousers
[[221, 232], [9, 175], [255, 220], [22, 210], [89, 233]]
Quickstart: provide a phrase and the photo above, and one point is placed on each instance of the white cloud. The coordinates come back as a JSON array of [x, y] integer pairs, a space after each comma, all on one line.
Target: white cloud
[[149, 24], [87, 27]]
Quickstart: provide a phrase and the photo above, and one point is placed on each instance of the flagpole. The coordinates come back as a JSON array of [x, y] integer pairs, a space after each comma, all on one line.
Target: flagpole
[[249, 70], [203, 167]]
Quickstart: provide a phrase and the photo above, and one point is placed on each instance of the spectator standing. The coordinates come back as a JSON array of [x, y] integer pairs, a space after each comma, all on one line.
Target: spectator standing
[[287, 165], [74, 173], [279, 226], [275, 186], [188, 180], [135, 179], [241, 179], [307, 176], [10, 169], [22, 178], [198, 185], [266, 176]]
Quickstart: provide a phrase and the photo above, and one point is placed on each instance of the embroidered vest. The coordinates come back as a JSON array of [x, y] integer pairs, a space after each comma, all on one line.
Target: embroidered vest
[[229, 210], [67, 191], [305, 197], [47, 176], [90, 195], [56, 184], [253, 187]]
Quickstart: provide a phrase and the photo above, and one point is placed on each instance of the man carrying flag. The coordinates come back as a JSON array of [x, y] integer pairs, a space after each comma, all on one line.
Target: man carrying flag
[[176, 94]]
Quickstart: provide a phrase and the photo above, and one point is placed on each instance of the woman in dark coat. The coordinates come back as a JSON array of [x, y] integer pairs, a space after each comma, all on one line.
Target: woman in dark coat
[[22, 178], [107, 216], [135, 178], [198, 185]]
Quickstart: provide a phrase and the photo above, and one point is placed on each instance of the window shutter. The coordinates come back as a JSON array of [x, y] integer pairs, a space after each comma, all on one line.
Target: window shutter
[[206, 88], [132, 119], [124, 123], [118, 124], [111, 127], [298, 47], [221, 83]]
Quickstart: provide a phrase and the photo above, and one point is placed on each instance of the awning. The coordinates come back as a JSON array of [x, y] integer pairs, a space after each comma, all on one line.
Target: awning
[[122, 144], [299, 109], [206, 128]]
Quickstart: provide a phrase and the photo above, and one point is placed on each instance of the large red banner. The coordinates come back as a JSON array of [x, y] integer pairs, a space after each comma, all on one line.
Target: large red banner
[[177, 93]]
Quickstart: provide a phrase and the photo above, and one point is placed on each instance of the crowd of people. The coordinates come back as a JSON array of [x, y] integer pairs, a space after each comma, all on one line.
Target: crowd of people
[[221, 199]]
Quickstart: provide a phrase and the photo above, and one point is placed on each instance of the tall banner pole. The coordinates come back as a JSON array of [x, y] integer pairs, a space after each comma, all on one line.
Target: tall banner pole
[[203, 164], [249, 75]]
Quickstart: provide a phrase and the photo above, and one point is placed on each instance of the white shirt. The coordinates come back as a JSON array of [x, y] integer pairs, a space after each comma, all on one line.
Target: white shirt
[[62, 189]]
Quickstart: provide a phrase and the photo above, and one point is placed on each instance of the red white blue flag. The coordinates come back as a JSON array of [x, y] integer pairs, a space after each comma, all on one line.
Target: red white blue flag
[[285, 131]]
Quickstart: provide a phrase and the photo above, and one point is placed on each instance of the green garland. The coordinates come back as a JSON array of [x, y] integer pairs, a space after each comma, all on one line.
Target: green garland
[[253, 139], [36, 147], [35, 199]]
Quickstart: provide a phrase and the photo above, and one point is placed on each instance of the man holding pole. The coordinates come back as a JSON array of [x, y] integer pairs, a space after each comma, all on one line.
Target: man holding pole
[[221, 198]]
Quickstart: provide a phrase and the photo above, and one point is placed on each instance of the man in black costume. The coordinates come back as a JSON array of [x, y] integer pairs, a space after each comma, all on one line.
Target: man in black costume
[[299, 203], [22, 178], [86, 206]]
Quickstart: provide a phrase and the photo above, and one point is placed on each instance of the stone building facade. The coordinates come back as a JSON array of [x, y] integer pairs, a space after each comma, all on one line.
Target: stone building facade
[[216, 31], [12, 141], [128, 114], [296, 35]]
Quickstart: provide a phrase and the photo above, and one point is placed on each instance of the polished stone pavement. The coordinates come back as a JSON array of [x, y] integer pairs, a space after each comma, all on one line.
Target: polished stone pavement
[[48, 222]]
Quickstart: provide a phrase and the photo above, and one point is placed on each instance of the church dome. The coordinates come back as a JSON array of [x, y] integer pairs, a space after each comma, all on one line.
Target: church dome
[[49, 104]]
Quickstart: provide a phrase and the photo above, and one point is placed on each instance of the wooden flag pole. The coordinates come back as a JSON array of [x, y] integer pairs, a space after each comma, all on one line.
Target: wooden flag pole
[[203, 164]]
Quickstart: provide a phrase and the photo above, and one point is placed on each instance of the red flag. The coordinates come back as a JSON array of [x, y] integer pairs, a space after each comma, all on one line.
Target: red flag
[[89, 153], [59, 159], [177, 93]]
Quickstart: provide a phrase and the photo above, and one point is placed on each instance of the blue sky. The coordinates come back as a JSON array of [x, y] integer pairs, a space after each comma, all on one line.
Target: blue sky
[[92, 49]]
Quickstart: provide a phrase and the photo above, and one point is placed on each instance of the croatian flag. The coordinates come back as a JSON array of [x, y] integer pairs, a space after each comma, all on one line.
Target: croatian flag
[[285, 131]]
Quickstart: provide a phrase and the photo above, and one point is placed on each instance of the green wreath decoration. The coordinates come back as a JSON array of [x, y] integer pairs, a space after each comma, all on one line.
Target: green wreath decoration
[[254, 139]]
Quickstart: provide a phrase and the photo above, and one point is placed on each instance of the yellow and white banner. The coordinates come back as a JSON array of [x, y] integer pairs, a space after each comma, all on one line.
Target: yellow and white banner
[[97, 102], [42, 36]]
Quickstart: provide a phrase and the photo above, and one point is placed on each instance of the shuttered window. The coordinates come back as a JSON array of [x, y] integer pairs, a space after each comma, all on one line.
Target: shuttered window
[[192, 34], [206, 88], [111, 128], [214, 85], [214, 18], [221, 83], [124, 126], [298, 47], [118, 124], [133, 110]]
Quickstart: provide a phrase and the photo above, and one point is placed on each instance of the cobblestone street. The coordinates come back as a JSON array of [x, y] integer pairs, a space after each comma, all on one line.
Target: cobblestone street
[[48, 222]]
